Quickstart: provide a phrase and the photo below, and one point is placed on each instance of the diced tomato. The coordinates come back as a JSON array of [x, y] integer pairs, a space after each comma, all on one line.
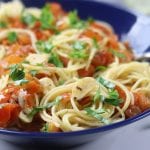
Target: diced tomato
[[56, 9], [66, 98], [121, 92], [141, 104], [13, 59], [24, 39], [33, 87], [9, 94], [29, 101], [53, 128], [142, 101], [87, 73], [43, 34], [112, 43], [85, 101], [101, 27], [20, 50], [16, 23], [64, 61], [41, 75], [132, 111], [91, 34], [102, 58], [128, 56], [9, 114]]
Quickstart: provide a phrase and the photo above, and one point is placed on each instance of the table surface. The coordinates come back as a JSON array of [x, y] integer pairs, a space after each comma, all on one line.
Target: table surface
[[132, 137]]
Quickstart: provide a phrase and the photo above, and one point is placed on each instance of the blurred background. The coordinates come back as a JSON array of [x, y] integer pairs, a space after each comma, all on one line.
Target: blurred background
[[139, 6]]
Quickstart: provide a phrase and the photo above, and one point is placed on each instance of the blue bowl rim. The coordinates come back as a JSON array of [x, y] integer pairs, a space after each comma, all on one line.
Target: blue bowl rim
[[87, 131]]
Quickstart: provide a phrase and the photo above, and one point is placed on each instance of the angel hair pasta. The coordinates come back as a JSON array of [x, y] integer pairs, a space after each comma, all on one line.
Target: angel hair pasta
[[59, 73]]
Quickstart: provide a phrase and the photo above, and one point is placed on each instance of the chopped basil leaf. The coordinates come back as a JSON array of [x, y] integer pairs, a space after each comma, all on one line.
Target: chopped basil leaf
[[61, 82], [46, 17], [78, 45], [17, 72], [98, 97], [101, 68], [54, 59], [74, 20], [90, 19], [113, 98], [44, 46], [33, 72], [28, 19], [3, 24], [95, 43], [106, 83], [37, 109], [97, 114], [45, 128], [26, 62], [78, 54], [117, 54], [21, 82], [12, 37], [39, 64]]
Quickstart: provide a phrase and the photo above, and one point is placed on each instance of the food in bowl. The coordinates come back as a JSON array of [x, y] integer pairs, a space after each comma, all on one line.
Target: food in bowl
[[59, 73]]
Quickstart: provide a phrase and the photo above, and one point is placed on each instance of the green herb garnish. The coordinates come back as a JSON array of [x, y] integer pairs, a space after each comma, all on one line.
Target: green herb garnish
[[44, 46], [101, 68], [117, 54], [95, 43], [17, 72], [45, 128], [21, 82], [37, 109], [3, 24], [33, 72], [106, 83], [97, 114], [79, 45], [46, 18], [78, 54], [29, 19], [98, 97], [12, 37], [90, 19], [74, 20], [54, 59], [113, 98]]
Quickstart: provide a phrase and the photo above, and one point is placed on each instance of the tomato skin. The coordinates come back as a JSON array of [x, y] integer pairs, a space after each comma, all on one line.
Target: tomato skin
[[33, 87], [132, 111], [66, 98], [85, 101], [87, 73], [9, 114], [20, 50], [142, 101], [102, 58], [29, 101], [64, 61], [102, 28], [57, 9], [91, 34], [10, 94]]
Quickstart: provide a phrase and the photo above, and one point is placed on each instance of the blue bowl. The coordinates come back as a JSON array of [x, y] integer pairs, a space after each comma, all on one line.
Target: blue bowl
[[122, 21]]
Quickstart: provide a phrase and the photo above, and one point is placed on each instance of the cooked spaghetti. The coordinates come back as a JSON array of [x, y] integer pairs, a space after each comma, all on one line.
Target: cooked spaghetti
[[59, 73]]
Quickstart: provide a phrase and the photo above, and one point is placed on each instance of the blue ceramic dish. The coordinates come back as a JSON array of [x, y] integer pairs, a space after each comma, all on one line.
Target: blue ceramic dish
[[122, 21]]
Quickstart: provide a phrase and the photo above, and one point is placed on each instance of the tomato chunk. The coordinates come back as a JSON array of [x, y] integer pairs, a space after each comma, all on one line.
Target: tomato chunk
[[87, 73], [9, 114], [102, 58]]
